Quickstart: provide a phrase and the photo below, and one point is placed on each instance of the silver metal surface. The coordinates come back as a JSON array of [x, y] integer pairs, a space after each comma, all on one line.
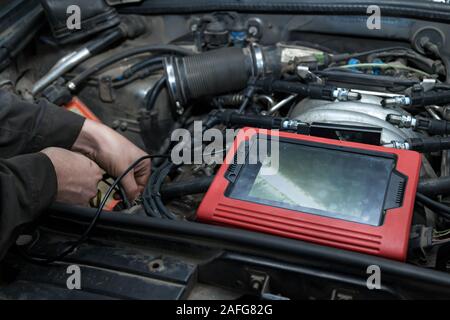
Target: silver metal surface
[[63, 65], [268, 100], [259, 59], [433, 112], [172, 81], [375, 93], [281, 104], [368, 111], [397, 101]]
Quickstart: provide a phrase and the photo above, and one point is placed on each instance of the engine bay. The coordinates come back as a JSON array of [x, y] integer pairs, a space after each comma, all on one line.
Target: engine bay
[[163, 80]]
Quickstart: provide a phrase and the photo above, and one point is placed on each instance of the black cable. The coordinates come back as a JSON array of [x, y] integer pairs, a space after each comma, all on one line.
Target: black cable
[[437, 207], [105, 40], [153, 206], [142, 65], [342, 75], [157, 192], [346, 56], [75, 82], [182, 188], [85, 235], [153, 94], [120, 189], [120, 81], [248, 95], [152, 200]]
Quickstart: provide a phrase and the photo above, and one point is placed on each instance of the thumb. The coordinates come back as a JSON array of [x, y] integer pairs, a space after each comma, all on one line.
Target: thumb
[[131, 188]]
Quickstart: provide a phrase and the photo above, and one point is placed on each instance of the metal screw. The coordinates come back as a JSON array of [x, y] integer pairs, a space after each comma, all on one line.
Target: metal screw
[[71, 86], [256, 285], [253, 31]]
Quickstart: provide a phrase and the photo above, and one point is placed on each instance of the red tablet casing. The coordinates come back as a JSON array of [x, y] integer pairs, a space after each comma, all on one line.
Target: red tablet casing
[[389, 240]]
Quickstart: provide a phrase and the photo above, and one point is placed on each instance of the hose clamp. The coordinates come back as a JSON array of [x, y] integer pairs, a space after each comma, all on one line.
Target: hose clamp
[[258, 60], [172, 84]]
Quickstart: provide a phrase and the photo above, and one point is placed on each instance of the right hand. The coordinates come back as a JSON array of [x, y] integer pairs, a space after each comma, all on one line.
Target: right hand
[[114, 153], [78, 176]]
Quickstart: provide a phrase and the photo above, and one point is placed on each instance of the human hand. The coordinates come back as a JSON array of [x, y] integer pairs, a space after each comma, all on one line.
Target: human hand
[[77, 176], [114, 153]]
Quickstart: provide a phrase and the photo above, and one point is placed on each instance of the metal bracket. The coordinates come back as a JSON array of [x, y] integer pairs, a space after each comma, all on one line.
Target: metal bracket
[[260, 281]]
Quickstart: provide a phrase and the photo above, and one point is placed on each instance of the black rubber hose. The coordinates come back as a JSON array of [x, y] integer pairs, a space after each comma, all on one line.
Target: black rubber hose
[[105, 40], [313, 91], [75, 82], [429, 144], [210, 73], [148, 195], [141, 65], [430, 98], [157, 192], [433, 126], [154, 93], [437, 207], [232, 118], [183, 188], [434, 187]]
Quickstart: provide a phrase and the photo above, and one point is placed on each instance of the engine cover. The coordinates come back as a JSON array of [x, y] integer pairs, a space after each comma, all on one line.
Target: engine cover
[[367, 111]]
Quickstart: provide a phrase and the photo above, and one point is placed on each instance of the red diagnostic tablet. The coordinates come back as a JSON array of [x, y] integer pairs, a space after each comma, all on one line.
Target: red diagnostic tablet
[[348, 195]]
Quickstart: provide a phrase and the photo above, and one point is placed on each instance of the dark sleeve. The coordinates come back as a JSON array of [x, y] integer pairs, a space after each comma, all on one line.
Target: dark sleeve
[[27, 127], [28, 185]]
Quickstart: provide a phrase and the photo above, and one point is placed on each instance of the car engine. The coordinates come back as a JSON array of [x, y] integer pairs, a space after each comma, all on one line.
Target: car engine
[[149, 75]]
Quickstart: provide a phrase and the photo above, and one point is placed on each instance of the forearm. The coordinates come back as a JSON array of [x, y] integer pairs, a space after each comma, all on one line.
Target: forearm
[[27, 186], [26, 127]]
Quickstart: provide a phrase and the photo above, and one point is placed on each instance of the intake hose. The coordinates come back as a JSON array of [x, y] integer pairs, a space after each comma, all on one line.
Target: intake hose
[[435, 186], [75, 83], [217, 72]]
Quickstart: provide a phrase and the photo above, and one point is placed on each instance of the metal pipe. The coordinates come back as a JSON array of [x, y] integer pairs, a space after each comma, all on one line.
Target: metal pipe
[[282, 103], [63, 65]]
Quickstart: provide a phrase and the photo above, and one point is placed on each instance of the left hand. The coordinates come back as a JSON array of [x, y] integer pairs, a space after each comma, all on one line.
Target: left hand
[[114, 154]]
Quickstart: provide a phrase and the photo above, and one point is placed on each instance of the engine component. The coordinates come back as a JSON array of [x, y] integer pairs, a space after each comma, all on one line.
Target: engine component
[[425, 145], [19, 23], [128, 29], [95, 16], [419, 98], [366, 112], [342, 194], [315, 91], [369, 135], [434, 187], [215, 35], [216, 72], [432, 126], [73, 85]]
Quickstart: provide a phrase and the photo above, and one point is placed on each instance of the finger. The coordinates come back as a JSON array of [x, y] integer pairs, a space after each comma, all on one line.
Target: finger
[[142, 173], [96, 173], [129, 184]]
